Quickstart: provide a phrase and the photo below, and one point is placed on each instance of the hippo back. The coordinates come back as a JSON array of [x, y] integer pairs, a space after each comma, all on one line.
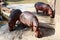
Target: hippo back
[[28, 18], [15, 13], [42, 6], [39, 3]]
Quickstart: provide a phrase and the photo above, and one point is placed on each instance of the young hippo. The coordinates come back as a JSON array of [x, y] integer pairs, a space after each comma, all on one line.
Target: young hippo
[[14, 16], [27, 18], [45, 8]]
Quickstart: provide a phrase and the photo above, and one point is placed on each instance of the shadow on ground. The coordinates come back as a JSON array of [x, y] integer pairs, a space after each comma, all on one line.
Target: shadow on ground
[[40, 14], [47, 31]]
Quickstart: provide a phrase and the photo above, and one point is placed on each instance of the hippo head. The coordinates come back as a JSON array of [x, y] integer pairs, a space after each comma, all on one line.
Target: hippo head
[[14, 16], [38, 33], [53, 14], [11, 25]]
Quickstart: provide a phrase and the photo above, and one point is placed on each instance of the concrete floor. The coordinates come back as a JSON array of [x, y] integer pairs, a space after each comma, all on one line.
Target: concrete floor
[[50, 28]]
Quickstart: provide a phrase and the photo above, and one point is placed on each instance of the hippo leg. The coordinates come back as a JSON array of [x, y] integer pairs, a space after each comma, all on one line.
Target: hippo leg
[[43, 12], [38, 34], [46, 14], [31, 28]]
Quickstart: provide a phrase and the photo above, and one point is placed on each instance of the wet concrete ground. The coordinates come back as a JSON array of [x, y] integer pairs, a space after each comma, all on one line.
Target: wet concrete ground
[[47, 26]]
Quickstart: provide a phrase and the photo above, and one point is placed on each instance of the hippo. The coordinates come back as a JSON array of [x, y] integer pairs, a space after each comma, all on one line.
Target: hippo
[[27, 18], [45, 8], [14, 16]]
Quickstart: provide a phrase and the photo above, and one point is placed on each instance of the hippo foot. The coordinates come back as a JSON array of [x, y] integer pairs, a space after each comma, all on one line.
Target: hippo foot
[[39, 35], [31, 29]]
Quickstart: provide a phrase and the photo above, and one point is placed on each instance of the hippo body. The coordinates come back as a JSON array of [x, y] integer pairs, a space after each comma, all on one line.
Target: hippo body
[[27, 18], [30, 20], [45, 8], [41, 6]]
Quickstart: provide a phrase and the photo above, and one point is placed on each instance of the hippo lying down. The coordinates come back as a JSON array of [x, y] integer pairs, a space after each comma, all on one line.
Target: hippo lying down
[[27, 18]]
